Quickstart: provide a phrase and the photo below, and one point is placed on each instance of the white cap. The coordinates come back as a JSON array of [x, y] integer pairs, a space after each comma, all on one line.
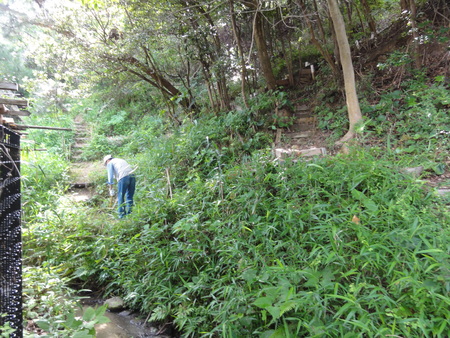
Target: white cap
[[106, 158]]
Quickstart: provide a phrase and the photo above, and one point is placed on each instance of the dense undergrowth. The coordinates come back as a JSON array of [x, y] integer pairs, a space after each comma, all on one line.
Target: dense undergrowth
[[226, 241]]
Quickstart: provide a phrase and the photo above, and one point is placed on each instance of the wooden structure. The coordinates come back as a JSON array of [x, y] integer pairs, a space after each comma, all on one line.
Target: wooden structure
[[12, 107]]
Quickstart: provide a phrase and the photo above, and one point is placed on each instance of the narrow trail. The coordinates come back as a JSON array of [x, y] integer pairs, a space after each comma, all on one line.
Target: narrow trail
[[302, 138], [83, 175]]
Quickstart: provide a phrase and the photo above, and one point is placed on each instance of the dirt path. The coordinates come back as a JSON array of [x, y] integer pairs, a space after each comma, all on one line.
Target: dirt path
[[83, 175]]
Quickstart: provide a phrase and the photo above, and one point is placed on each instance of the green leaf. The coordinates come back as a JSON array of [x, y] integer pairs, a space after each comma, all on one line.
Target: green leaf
[[89, 314], [263, 302], [358, 195], [101, 310], [280, 332], [370, 205], [275, 311], [43, 324], [267, 334], [83, 334], [71, 322]]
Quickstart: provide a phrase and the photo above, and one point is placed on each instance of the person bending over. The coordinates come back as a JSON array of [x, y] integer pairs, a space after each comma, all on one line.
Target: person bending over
[[126, 183]]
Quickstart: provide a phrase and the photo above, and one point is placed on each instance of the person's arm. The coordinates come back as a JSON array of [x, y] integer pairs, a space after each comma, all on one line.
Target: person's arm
[[110, 170]]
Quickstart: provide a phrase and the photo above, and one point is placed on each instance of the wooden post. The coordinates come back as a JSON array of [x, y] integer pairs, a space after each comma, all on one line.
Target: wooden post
[[18, 112], [14, 101], [9, 86], [20, 126]]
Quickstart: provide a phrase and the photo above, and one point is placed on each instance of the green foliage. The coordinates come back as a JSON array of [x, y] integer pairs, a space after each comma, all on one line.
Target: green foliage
[[44, 178], [396, 59], [224, 241], [12, 68], [413, 119], [6, 330], [113, 122], [57, 142], [51, 305], [246, 251], [336, 120], [439, 34], [100, 145]]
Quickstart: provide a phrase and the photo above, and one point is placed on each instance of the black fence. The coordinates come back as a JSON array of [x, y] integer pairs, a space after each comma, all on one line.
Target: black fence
[[10, 232]]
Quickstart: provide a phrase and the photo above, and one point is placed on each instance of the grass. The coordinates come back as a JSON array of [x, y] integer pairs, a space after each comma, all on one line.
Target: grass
[[321, 248]]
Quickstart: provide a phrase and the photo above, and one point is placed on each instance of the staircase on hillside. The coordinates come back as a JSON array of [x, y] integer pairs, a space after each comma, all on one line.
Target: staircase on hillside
[[298, 140], [81, 138], [78, 169]]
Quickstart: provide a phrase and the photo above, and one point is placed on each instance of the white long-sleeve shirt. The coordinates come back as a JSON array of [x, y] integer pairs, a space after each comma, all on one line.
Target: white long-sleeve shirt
[[118, 169]]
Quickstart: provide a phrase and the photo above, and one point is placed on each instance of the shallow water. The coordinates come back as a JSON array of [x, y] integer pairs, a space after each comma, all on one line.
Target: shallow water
[[124, 324]]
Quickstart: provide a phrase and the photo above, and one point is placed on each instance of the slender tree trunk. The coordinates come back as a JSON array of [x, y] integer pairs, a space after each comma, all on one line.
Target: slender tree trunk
[[354, 111], [415, 33], [348, 11], [369, 17], [323, 51], [283, 35], [237, 37], [185, 77], [263, 55], [209, 85], [404, 5], [290, 65], [220, 73]]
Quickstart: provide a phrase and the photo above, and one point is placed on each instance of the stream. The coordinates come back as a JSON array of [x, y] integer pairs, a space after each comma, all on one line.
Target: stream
[[124, 324]]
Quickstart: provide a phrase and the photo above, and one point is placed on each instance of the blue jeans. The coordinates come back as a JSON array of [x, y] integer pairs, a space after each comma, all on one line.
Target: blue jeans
[[125, 193]]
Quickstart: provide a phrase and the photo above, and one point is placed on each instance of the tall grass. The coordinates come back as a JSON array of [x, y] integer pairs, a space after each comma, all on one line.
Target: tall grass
[[329, 247]]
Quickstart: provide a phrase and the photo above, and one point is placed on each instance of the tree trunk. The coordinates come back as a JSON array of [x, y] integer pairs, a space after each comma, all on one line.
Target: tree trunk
[[323, 51], [263, 55], [237, 37], [369, 17], [415, 34], [290, 65], [220, 73], [354, 111]]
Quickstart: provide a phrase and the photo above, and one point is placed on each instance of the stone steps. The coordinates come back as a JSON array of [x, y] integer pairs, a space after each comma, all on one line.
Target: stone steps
[[283, 153], [81, 138], [296, 141]]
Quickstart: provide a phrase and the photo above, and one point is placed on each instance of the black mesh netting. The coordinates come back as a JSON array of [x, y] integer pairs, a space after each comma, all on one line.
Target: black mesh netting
[[10, 232]]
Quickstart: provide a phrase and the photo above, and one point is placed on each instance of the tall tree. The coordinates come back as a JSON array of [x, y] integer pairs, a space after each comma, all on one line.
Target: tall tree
[[240, 49], [312, 16], [260, 40], [354, 111], [368, 15], [412, 11], [205, 36]]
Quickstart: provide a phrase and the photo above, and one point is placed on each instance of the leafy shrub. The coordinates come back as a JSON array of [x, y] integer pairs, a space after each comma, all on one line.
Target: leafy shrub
[[51, 305], [414, 120], [57, 142], [226, 242], [44, 177]]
